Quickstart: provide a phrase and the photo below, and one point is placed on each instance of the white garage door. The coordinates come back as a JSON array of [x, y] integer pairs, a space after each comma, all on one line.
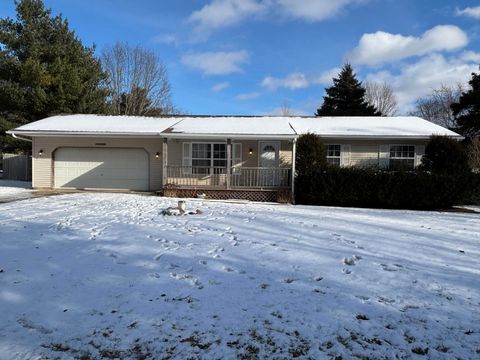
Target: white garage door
[[92, 168]]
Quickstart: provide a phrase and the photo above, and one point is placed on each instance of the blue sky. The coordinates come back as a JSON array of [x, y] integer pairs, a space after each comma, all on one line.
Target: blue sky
[[250, 56]]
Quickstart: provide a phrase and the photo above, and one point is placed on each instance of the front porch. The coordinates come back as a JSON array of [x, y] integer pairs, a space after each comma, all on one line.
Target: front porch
[[240, 169]]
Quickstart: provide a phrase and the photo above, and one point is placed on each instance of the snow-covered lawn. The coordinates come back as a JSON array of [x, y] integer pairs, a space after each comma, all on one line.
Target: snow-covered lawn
[[13, 189], [105, 275]]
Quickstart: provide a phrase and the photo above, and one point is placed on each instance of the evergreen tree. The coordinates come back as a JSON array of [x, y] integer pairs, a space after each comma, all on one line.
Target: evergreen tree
[[445, 155], [310, 153], [467, 110], [44, 69], [346, 97]]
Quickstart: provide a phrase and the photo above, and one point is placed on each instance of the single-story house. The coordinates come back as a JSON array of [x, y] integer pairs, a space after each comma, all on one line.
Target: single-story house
[[219, 156]]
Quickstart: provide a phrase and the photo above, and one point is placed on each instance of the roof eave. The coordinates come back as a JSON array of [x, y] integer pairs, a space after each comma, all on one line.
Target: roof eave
[[229, 136], [386, 137], [82, 134]]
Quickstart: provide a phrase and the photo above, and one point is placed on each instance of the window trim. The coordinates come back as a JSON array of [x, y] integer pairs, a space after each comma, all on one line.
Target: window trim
[[212, 152], [339, 157], [233, 158], [390, 158]]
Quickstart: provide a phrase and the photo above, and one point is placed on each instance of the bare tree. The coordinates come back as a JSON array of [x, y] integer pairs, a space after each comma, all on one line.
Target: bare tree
[[137, 81], [473, 152], [381, 96], [285, 109], [436, 107]]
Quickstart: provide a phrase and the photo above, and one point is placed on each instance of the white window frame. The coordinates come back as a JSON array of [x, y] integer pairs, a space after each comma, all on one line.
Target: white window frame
[[390, 157], [339, 157], [236, 156]]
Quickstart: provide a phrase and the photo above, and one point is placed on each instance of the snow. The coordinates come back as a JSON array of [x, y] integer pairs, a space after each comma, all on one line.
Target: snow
[[267, 126], [99, 123], [398, 126], [13, 189], [107, 275]]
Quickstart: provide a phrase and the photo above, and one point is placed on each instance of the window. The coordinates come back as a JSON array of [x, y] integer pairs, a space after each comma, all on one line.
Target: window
[[206, 158], [402, 157], [333, 153]]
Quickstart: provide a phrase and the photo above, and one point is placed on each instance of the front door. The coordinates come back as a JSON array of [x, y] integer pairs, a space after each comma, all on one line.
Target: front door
[[269, 162]]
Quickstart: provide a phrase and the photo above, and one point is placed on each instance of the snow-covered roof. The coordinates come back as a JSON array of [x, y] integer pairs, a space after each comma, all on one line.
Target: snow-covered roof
[[248, 126], [90, 124], [386, 127], [280, 127]]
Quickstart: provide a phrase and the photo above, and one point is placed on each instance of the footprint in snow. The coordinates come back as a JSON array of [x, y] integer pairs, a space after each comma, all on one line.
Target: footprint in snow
[[27, 324], [386, 267], [385, 300], [215, 251], [351, 261], [189, 278]]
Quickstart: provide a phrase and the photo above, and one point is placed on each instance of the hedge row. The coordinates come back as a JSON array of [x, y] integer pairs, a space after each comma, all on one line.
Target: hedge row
[[382, 189]]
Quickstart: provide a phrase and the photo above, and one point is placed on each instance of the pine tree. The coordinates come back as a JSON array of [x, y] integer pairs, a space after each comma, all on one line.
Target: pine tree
[[44, 69], [346, 97], [467, 110]]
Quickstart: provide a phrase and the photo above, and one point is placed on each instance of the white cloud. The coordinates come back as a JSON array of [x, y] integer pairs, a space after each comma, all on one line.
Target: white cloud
[[299, 80], [418, 79], [292, 82], [313, 10], [380, 47], [470, 11], [471, 56], [249, 96], [168, 39], [220, 86], [216, 63], [326, 77], [224, 13]]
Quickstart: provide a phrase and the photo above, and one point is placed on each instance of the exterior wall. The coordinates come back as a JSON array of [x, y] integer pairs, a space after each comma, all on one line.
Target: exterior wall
[[42, 169], [362, 153], [374, 153], [286, 154]]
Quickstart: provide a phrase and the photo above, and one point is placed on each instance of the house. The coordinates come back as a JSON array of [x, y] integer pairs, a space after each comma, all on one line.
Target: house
[[219, 156]]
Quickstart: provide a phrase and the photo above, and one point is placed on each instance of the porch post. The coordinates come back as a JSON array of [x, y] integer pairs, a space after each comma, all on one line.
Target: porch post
[[229, 162], [164, 162], [294, 152]]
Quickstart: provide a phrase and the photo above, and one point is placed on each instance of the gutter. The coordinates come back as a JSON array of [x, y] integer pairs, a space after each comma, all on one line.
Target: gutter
[[230, 136], [386, 137], [81, 134], [171, 135], [18, 137]]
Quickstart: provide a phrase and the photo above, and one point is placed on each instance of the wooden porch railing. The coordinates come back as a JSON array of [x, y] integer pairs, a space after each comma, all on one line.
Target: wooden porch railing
[[240, 177]]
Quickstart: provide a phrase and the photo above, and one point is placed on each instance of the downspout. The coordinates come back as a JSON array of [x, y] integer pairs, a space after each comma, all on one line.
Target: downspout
[[294, 152]]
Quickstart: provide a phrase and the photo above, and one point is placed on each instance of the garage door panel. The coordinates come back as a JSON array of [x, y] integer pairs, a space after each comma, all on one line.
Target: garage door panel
[[93, 168]]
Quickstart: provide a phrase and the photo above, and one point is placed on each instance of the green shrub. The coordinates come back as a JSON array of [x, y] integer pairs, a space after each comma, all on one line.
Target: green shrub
[[310, 153], [445, 155], [337, 186]]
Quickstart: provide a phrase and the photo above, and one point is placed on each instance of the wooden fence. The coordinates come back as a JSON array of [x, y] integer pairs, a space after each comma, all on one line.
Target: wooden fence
[[17, 167]]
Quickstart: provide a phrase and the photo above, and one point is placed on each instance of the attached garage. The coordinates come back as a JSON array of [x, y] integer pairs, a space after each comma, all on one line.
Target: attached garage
[[101, 168]]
